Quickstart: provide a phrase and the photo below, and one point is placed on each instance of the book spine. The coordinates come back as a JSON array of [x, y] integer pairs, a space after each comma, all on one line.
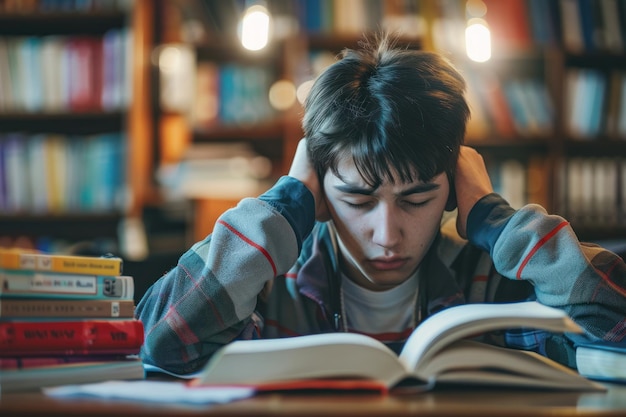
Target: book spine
[[50, 285], [83, 309], [11, 259], [20, 362], [36, 338]]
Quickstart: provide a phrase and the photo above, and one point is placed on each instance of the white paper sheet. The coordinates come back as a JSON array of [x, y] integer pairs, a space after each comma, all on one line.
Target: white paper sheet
[[153, 391]]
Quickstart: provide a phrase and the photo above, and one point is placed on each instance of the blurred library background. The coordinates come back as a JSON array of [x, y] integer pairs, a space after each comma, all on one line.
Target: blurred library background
[[129, 126]]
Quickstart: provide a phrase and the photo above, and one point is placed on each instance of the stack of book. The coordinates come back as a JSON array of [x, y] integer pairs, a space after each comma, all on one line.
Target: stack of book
[[66, 320]]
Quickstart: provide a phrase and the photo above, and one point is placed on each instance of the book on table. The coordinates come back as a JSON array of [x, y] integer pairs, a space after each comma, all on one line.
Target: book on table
[[20, 308], [30, 337], [33, 284], [604, 361], [66, 319], [439, 351], [30, 378], [32, 260]]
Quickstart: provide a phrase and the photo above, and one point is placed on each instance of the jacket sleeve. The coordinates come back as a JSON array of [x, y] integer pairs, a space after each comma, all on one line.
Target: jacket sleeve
[[209, 298], [585, 280]]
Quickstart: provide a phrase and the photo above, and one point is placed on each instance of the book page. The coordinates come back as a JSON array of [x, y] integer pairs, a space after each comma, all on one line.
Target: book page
[[328, 355], [467, 320], [466, 361]]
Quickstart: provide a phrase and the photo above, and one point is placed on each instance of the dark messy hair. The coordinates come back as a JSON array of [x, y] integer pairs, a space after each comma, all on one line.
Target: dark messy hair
[[393, 110]]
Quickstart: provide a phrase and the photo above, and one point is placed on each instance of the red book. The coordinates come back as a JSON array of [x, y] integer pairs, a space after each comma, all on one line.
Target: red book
[[97, 73], [25, 362], [498, 107], [509, 24], [85, 73], [79, 337]]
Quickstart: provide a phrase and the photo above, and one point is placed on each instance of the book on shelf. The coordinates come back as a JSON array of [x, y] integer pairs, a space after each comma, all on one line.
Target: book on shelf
[[590, 190], [509, 23], [605, 361], [3, 180], [206, 101], [22, 284], [437, 352], [37, 337], [613, 103], [15, 159], [571, 26], [21, 259], [36, 377], [497, 106], [479, 124], [83, 72], [38, 175], [620, 124], [585, 91], [544, 22], [613, 41], [586, 13], [19, 308]]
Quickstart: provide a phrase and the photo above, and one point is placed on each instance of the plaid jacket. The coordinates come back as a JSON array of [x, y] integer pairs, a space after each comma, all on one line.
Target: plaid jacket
[[268, 270]]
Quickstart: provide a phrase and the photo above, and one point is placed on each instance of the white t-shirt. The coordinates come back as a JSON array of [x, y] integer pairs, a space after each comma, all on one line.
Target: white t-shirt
[[388, 316]]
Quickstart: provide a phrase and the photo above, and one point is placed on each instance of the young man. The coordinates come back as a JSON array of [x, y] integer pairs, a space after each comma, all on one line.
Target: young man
[[381, 164]]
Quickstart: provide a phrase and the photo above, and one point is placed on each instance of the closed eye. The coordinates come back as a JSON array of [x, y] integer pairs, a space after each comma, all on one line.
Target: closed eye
[[358, 205], [417, 204]]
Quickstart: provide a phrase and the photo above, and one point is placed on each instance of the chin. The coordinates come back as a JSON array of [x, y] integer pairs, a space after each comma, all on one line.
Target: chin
[[388, 280]]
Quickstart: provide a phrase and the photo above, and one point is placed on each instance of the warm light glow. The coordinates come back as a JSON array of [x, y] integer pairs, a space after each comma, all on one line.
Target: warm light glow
[[475, 8], [282, 94], [255, 28], [170, 58], [303, 90], [478, 40]]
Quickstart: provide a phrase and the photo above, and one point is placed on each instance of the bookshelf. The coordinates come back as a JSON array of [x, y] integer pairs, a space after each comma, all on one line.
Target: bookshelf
[[293, 55], [521, 99], [74, 125], [577, 50]]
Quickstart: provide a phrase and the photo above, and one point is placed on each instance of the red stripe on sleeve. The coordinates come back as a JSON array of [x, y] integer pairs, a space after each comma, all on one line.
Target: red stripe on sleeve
[[606, 277], [251, 243], [282, 329], [538, 246]]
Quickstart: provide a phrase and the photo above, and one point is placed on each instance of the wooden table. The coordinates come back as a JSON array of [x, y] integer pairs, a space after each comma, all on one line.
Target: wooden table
[[440, 402]]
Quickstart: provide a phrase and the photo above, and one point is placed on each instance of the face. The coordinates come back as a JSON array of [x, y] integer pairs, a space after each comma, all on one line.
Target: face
[[383, 233]]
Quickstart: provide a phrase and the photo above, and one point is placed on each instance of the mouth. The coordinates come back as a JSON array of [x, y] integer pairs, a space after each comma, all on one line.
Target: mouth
[[387, 264]]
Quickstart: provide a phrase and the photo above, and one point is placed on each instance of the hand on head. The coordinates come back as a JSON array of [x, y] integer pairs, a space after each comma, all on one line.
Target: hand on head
[[471, 183], [302, 169]]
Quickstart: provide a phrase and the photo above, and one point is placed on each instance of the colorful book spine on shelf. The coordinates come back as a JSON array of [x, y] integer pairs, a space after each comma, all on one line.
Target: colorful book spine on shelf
[[15, 159], [56, 173], [3, 180], [544, 16], [591, 193], [42, 337], [509, 24], [57, 309], [83, 73], [18, 259]]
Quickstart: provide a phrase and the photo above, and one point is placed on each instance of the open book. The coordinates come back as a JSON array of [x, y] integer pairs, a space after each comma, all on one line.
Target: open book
[[438, 351]]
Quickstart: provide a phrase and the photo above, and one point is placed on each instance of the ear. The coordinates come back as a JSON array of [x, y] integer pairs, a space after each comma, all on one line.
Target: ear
[[451, 203]]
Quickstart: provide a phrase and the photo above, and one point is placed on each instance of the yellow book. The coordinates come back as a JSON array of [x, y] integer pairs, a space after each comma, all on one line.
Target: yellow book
[[20, 259]]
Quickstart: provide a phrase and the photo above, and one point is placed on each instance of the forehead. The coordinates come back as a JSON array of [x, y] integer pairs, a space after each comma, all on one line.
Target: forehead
[[348, 172]]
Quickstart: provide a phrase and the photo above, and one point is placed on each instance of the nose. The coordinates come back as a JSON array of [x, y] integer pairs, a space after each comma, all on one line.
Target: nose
[[387, 230]]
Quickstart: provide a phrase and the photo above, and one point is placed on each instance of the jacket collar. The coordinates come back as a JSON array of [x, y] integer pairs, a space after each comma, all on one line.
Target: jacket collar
[[319, 277]]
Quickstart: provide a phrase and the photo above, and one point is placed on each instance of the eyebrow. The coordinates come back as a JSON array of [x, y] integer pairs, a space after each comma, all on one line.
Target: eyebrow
[[417, 189]]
